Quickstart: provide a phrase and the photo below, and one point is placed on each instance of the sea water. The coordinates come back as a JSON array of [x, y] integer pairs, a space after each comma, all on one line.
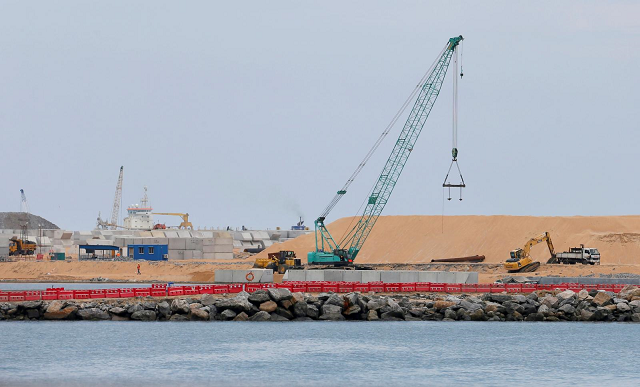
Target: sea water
[[113, 353]]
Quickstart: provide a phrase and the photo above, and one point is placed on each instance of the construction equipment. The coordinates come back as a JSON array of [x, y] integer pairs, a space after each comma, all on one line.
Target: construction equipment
[[343, 253], [279, 262], [115, 211], [185, 219], [21, 246], [521, 262], [583, 255]]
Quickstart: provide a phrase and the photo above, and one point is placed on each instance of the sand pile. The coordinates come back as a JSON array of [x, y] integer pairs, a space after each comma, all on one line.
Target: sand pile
[[15, 220], [418, 239]]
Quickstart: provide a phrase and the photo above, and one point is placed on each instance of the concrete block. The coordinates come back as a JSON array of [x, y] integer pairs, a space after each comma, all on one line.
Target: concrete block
[[177, 244], [176, 255], [407, 276], [223, 255], [446, 277], [223, 234], [223, 241], [193, 244], [171, 233], [196, 234], [370, 276], [224, 276], [389, 276], [314, 275], [158, 234], [237, 244], [188, 254], [461, 277], [197, 254], [206, 255], [222, 248], [472, 278], [240, 276], [209, 249], [332, 275], [184, 234], [208, 242], [352, 276], [206, 234], [427, 276], [297, 275]]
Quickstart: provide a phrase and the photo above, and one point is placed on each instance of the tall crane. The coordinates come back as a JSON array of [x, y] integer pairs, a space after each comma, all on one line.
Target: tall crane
[[115, 212], [344, 252], [24, 206], [185, 219]]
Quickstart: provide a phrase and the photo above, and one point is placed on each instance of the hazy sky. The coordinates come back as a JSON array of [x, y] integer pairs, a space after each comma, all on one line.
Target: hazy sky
[[249, 113]]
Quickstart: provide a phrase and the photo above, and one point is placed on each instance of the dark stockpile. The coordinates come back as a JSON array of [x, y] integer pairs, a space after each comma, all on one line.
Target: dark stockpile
[[15, 220]]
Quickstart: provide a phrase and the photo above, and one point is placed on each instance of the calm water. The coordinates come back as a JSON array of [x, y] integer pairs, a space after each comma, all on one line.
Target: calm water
[[317, 354]]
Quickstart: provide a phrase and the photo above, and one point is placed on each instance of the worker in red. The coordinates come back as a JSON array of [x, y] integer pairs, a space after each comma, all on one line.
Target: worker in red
[[138, 269]]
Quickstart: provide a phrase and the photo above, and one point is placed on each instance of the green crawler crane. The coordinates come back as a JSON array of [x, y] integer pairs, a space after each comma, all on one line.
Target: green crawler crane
[[328, 250]]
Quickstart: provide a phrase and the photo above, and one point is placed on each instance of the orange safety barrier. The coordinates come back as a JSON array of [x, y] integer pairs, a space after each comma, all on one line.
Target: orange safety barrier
[[423, 286], [190, 290], [127, 293], [4, 296], [377, 287], [250, 288], [483, 288], [605, 287], [437, 287], [618, 287], [175, 291], [529, 288], [112, 293], [32, 295], [158, 292], [299, 287], [158, 286], [361, 288]]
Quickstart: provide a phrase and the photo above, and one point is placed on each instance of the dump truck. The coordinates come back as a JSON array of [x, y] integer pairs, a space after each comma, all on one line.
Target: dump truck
[[21, 246], [583, 255]]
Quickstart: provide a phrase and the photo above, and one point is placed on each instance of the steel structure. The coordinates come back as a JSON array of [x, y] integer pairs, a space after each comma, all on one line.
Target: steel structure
[[117, 200], [328, 250]]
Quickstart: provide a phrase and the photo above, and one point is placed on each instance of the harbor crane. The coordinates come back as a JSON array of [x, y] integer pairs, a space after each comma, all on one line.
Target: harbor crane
[[343, 253], [115, 212], [185, 219]]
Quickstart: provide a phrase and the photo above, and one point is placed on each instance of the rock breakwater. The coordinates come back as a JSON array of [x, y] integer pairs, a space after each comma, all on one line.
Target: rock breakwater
[[283, 305]]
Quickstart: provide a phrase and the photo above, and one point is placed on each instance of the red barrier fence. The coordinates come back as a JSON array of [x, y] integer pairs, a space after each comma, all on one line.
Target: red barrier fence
[[162, 290]]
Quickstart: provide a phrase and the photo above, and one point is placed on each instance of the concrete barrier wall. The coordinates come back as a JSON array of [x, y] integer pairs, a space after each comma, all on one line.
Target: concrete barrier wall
[[386, 276], [240, 276]]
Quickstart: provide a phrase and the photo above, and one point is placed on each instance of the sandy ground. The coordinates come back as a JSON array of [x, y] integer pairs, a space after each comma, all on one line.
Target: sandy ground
[[401, 242], [418, 239]]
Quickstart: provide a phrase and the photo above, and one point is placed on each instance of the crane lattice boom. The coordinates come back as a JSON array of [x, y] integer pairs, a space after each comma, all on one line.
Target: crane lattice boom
[[115, 213]]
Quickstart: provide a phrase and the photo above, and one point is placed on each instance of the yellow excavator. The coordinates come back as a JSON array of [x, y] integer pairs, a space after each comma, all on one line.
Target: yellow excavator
[[279, 262], [185, 219], [521, 262]]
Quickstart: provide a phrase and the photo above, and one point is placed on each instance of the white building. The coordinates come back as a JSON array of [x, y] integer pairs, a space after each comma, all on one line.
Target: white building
[[140, 216]]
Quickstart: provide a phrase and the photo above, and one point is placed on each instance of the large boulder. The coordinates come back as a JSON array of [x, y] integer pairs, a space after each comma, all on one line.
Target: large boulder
[[268, 306], [227, 314], [602, 299], [259, 296], [279, 294], [199, 314], [31, 304], [164, 309], [207, 299], [180, 306], [93, 314], [118, 311], [623, 307], [551, 301], [331, 312], [376, 304], [567, 309], [260, 316], [372, 315], [498, 297], [58, 311], [583, 294], [470, 306], [237, 304], [478, 315], [277, 317], [567, 294], [335, 299], [313, 311], [441, 304], [300, 309], [144, 315], [242, 316], [135, 308], [284, 313], [179, 317]]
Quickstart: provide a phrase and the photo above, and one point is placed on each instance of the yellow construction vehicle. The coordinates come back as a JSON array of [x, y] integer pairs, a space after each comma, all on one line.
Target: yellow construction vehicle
[[21, 247], [185, 219], [520, 261], [279, 262]]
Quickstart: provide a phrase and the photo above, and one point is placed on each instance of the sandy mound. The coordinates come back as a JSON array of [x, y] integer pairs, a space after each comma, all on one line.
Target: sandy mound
[[15, 220], [417, 239]]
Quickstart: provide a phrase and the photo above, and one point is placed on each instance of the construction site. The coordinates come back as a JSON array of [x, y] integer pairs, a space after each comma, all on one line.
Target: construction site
[[483, 249]]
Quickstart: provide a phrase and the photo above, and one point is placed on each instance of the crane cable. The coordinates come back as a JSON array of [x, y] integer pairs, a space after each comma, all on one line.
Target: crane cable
[[386, 131]]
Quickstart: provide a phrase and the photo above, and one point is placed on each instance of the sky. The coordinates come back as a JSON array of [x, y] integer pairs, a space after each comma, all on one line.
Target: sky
[[254, 113]]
